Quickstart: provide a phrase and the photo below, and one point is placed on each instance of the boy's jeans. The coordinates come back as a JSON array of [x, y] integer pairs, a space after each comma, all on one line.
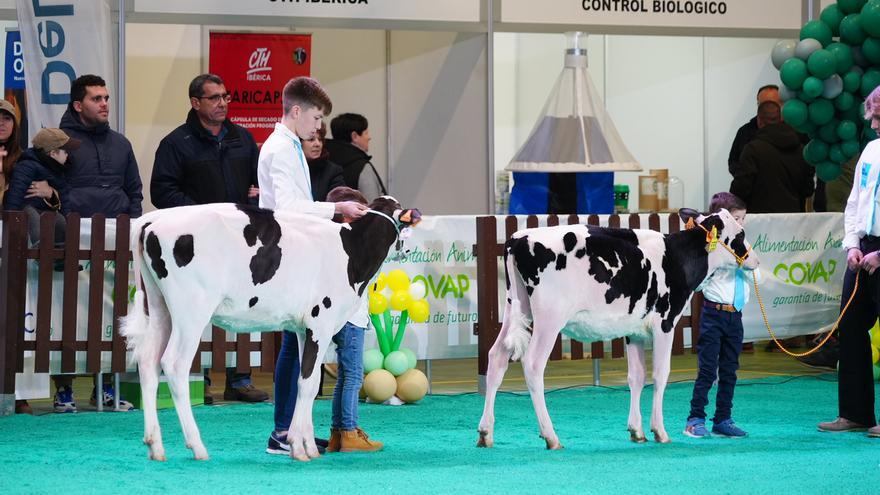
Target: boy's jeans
[[718, 349], [350, 357]]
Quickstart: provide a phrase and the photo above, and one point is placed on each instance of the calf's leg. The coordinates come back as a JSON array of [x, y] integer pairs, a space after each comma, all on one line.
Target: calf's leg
[[176, 362], [662, 356], [499, 357], [149, 355], [534, 362], [635, 376], [302, 433]]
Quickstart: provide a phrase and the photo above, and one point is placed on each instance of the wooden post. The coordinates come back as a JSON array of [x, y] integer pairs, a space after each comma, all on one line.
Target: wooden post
[[13, 272]]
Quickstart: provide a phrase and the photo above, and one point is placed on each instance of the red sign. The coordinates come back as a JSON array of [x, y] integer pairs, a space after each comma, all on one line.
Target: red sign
[[255, 68]]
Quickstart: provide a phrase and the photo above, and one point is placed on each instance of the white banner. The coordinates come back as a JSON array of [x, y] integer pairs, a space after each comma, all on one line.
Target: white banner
[[730, 14], [399, 10], [62, 41]]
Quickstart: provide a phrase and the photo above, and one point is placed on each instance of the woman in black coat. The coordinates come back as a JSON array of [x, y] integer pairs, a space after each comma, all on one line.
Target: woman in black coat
[[324, 174]]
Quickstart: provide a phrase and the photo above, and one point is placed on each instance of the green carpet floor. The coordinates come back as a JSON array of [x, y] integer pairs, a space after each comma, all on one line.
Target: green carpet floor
[[430, 448]]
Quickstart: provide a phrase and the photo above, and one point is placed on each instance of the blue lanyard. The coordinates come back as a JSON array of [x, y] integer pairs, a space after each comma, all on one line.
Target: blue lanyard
[[302, 159]]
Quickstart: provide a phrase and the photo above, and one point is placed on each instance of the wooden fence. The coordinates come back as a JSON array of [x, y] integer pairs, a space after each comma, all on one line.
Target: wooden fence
[[488, 249], [14, 257]]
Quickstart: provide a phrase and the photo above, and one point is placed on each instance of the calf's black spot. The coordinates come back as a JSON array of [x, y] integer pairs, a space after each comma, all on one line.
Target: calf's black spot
[[264, 227], [326, 302], [530, 261], [154, 251], [618, 248], [183, 250], [569, 240], [253, 302], [310, 355], [315, 311]]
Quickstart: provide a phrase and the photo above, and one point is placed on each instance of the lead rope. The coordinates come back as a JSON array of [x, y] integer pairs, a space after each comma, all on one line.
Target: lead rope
[[824, 340]]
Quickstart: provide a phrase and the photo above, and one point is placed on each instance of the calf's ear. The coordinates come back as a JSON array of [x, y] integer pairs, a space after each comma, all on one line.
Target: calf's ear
[[689, 216], [410, 217]]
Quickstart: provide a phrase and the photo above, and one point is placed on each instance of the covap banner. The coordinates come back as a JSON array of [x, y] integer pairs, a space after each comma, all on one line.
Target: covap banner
[[255, 68], [61, 42]]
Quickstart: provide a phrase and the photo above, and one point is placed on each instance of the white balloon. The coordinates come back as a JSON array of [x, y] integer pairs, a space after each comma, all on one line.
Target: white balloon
[[833, 86], [786, 94], [418, 290], [806, 47], [783, 51]]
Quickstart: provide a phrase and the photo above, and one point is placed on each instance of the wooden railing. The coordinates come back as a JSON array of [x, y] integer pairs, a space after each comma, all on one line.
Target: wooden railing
[[14, 258]]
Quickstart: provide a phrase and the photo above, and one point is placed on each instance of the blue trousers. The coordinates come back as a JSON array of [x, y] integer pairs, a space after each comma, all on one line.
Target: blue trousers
[[350, 356], [718, 349], [286, 376]]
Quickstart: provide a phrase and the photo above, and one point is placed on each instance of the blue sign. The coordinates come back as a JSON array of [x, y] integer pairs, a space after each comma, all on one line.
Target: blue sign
[[14, 61]]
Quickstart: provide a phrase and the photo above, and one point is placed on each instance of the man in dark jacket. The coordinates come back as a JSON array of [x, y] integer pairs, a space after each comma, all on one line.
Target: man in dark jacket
[[747, 132], [102, 174], [773, 176], [348, 149], [209, 160]]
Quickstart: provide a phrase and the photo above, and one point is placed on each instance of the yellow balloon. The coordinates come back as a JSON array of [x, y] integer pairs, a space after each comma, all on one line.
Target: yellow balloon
[[398, 280], [401, 300], [875, 354], [378, 303], [380, 283], [419, 311], [875, 334]]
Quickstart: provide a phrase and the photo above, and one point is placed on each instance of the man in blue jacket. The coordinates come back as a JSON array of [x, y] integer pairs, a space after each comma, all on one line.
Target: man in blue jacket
[[209, 159], [102, 177], [103, 174]]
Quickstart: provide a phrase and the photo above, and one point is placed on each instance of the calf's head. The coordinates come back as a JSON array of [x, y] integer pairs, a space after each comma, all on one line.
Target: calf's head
[[726, 241]]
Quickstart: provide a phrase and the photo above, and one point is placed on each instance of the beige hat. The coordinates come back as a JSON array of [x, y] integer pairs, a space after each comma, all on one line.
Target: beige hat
[[8, 108], [50, 139]]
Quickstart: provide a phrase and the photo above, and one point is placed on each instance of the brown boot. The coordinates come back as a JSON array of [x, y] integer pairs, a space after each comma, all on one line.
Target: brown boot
[[358, 441], [335, 441], [22, 407]]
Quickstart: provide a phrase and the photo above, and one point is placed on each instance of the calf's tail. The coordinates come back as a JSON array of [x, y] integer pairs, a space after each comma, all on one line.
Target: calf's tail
[[134, 326], [516, 329]]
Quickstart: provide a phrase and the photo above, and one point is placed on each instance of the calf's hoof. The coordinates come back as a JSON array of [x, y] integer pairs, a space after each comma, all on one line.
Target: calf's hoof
[[661, 437], [637, 436], [485, 440], [554, 445], [157, 457]]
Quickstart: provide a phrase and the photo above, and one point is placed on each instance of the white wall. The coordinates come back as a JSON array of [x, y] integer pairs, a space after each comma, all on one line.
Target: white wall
[[677, 101]]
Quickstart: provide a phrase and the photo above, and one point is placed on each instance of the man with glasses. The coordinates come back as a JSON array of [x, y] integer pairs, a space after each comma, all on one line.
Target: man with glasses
[[209, 159], [103, 177]]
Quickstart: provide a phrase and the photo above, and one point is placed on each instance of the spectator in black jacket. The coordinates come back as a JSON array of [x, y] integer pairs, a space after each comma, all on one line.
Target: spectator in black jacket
[[773, 176], [324, 174], [349, 148], [103, 173], [208, 159], [748, 131]]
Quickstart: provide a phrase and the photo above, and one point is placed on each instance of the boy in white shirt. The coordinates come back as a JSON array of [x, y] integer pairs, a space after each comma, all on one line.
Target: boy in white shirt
[[283, 176]]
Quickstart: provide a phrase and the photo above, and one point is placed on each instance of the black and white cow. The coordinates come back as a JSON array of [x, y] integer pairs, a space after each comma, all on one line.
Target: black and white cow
[[247, 270], [594, 283]]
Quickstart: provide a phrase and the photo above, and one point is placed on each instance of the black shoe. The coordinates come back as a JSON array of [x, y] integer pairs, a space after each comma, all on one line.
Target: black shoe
[[247, 393], [278, 445], [825, 358]]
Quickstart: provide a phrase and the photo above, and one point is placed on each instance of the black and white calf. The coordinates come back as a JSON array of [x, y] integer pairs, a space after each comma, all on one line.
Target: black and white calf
[[594, 283], [247, 270]]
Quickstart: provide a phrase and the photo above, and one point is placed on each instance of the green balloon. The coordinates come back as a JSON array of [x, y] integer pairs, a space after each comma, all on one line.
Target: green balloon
[[851, 30], [869, 134], [843, 55], [396, 362], [822, 64], [850, 6], [812, 87], [821, 111], [835, 154], [870, 80], [850, 114], [373, 360], [793, 73], [844, 101], [870, 18], [411, 357], [828, 132], [816, 151], [804, 96], [850, 148], [817, 30], [871, 50], [847, 130], [876, 373], [832, 15], [852, 80], [827, 171], [807, 128], [794, 112]]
